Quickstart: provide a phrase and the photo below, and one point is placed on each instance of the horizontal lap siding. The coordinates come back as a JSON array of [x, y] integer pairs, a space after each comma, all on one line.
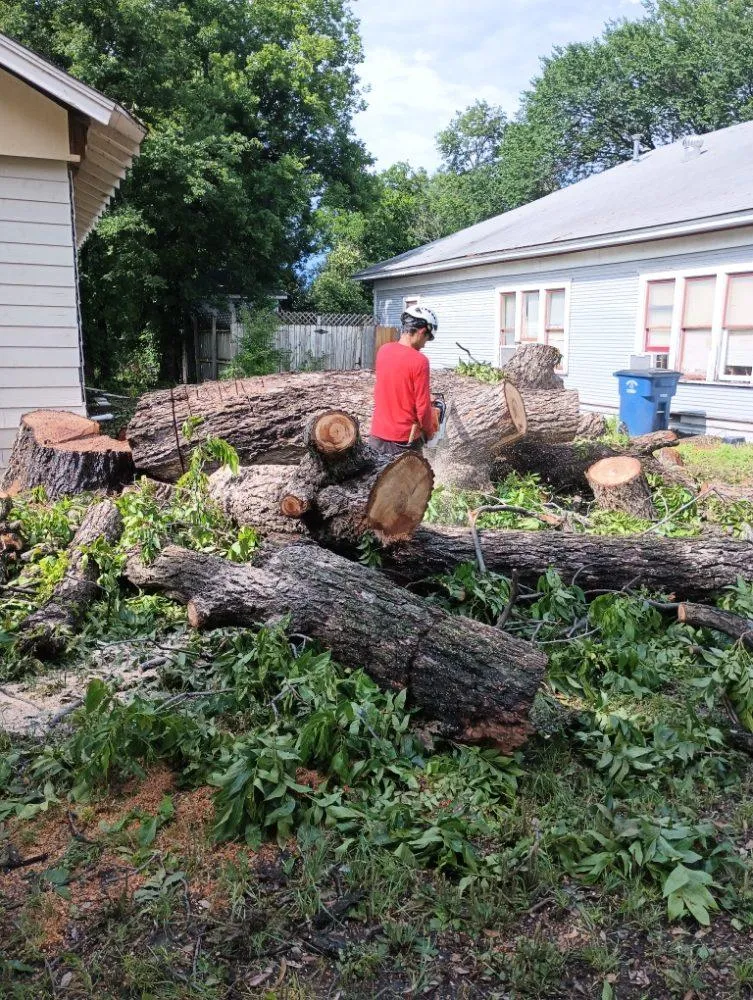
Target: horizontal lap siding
[[603, 310], [40, 355]]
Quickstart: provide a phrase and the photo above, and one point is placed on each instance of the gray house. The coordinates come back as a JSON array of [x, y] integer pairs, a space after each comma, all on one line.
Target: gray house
[[64, 149], [653, 258]]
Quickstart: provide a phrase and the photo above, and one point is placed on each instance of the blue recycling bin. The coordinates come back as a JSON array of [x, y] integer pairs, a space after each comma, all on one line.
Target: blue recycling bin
[[645, 397]]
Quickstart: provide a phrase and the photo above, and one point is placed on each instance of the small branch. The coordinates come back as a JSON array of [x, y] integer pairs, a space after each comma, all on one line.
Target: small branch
[[502, 620], [666, 520], [13, 863]]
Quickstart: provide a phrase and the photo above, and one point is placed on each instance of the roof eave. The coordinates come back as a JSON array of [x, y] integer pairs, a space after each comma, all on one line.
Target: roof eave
[[688, 228]]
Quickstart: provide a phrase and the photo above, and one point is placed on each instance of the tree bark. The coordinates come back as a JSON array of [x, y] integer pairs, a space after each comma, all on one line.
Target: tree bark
[[66, 454], [264, 419], [689, 567], [591, 425], [478, 683], [532, 367], [619, 484], [552, 415], [388, 499], [702, 616], [45, 632]]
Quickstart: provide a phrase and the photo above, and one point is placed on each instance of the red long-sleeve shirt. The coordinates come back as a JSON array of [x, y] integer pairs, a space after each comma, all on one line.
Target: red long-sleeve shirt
[[401, 393]]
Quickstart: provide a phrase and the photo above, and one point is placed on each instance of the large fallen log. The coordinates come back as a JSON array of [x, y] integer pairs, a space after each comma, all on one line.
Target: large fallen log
[[46, 631], [67, 454], [688, 567], [477, 682]]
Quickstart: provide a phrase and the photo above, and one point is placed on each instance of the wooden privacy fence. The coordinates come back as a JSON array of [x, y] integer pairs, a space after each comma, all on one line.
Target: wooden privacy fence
[[308, 341]]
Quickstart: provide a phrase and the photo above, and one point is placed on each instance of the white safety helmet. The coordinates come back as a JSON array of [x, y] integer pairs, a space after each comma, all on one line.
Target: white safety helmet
[[426, 317]]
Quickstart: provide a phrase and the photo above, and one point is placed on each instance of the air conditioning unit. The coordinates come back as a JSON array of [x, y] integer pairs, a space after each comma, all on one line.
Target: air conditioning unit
[[646, 362]]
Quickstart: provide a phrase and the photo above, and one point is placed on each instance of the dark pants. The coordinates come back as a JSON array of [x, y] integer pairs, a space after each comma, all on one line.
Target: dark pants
[[390, 449]]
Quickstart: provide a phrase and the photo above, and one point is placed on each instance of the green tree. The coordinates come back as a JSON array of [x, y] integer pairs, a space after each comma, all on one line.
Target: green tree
[[248, 108], [473, 137]]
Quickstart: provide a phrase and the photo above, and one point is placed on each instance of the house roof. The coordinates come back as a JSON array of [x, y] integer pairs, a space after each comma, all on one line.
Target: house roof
[[666, 192], [113, 137]]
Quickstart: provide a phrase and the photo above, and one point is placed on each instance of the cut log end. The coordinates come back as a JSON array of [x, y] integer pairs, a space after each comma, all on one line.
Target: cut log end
[[333, 432], [293, 506], [516, 408], [399, 498], [66, 453], [614, 471]]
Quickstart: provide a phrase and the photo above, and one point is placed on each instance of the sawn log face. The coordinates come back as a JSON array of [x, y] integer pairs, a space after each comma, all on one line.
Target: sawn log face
[[476, 681]]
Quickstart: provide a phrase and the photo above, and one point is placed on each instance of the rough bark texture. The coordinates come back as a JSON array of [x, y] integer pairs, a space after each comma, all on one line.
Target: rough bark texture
[[689, 567], [619, 484], [591, 425], [45, 632], [476, 681], [482, 419], [386, 498], [702, 616], [532, 367], [66, 454], [552, 415], [264, 418]]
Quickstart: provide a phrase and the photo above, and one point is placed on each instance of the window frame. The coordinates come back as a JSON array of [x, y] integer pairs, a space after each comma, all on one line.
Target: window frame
[[737, 379], [714, 368], [543, 289]]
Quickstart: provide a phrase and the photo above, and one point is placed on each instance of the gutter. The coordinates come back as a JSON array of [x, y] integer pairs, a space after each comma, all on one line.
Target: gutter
[[555, 249]]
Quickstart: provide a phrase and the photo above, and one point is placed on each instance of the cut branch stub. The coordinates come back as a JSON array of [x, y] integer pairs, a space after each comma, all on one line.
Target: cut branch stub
[[66, 453], [332, 433], [399, 497], [619, 484]]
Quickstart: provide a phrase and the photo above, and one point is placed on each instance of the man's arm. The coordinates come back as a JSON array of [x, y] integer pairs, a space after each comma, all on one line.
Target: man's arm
[[423, 400]]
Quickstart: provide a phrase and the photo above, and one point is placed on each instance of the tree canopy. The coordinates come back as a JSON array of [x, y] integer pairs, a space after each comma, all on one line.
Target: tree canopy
[[248, 108]]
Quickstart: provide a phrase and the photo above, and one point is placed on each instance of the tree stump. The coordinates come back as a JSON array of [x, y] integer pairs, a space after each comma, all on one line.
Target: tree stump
[[67, 454], [619, 484]]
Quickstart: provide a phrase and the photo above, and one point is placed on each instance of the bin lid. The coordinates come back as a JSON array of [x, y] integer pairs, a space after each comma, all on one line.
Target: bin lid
[[655, 373]]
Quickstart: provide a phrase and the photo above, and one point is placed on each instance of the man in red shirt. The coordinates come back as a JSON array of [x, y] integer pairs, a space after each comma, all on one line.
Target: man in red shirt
[[403, 417]]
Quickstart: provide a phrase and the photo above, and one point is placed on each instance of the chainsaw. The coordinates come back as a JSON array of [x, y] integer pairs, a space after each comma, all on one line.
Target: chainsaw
[[441, 411]]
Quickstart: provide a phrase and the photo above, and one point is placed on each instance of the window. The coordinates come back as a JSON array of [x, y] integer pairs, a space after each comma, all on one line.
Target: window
[[700, 323], [554, 325], [737, 342], [697, 322], [534, 316], [660, 296], [507, 331], [407, 303], [529, 327]]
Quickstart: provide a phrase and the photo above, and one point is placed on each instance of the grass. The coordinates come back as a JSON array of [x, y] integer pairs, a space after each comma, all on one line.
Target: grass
[[356, 855], [719, 462]]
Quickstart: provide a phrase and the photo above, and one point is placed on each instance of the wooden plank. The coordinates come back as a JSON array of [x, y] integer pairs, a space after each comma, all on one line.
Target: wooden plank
[[41, 295], [40, 357], [384, 335], [36, 232], [36, 254], [47, 212], [34, 189], [41, 397], [42, 316], [52, 275], [27, 337], [38, 378]]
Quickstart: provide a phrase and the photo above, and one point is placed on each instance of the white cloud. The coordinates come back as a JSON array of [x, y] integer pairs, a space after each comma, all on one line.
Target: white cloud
[[429, 59]]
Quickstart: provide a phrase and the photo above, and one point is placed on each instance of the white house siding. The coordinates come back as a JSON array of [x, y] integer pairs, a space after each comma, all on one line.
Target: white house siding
[[40, 348], [602, 317]]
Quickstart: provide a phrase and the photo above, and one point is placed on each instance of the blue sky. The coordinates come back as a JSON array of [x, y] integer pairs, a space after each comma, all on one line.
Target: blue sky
[[427, 59]]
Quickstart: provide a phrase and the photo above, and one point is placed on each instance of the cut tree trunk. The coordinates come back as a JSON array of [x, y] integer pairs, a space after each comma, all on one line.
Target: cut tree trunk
[[532, 367], [264, 419], [689, 567], [552, 415], [388, 499], [477, 682], [45, 632], [66, 454], [591, 425], [619, 484], [482, 420], [702, 616]]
